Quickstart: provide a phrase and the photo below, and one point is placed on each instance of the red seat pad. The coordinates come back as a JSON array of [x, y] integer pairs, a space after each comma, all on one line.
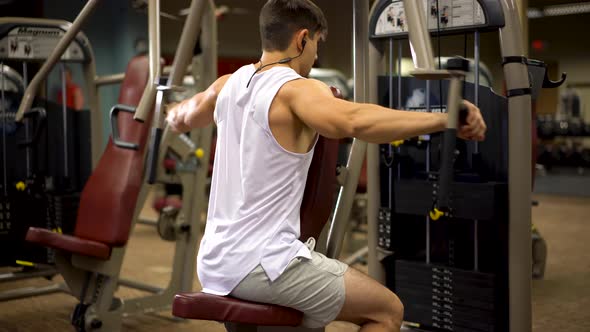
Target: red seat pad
[[321, 185], [71, 244], [227, 309], [320, 189]]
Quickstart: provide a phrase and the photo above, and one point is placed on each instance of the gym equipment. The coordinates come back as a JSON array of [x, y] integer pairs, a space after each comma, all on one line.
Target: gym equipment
[[454, 244], [550, 127], [46, 159], [90, 259], [187, 164]]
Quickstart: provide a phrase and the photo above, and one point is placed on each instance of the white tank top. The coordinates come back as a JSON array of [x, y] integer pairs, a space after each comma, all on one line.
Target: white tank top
[[256, 190]]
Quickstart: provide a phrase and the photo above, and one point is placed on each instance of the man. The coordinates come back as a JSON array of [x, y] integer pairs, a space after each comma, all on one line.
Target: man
[[268, 118]]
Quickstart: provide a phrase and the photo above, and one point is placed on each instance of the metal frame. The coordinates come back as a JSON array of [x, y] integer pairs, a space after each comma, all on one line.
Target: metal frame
[[519, 162]]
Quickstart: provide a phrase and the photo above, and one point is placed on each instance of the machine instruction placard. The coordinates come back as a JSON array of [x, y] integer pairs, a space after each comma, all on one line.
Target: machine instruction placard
[[441, 14], [36, 43]]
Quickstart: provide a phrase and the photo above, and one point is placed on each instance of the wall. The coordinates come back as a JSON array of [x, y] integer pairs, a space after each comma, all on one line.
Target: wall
[[567, 45], [112, 30], [239, 35]]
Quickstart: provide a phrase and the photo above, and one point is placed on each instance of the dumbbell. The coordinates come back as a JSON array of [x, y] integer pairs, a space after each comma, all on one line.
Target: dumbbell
[[562, 128], [546, 127], [576, 127]]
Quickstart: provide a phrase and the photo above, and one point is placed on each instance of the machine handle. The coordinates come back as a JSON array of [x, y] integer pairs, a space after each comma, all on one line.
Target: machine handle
[[41, 115], [153, 154], [446, 170], [549, 84], [463, 113], [442, 206], [115, 127]]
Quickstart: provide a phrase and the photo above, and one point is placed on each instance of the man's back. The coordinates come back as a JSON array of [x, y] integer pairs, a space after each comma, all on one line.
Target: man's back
[[256, 189]]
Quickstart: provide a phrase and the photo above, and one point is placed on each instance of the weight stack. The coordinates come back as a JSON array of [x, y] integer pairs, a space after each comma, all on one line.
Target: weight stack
[[18, 212], [440, 298], [61, 215]]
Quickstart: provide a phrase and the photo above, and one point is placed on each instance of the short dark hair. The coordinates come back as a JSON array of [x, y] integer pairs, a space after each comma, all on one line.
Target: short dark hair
[[281, 19]]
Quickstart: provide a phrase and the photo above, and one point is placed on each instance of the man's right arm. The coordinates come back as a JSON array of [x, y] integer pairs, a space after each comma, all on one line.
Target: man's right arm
[[313, 102]]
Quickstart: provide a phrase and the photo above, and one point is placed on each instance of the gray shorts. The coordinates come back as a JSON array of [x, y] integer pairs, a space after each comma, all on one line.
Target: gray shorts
[[313, 286]]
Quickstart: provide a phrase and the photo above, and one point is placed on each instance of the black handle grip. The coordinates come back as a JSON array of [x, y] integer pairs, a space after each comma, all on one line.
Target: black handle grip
[[549, 84], [115, 127], [463, 113], [41, 116], [153, 154], [446, 170]]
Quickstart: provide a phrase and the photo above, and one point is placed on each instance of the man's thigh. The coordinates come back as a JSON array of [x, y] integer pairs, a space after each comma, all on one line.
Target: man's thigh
[[314, 287]]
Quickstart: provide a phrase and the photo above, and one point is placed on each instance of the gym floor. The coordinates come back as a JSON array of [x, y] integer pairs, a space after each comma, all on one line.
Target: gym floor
[[560, 300]]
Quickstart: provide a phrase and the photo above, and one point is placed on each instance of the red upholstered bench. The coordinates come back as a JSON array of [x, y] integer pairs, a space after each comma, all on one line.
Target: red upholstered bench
[[316, 207], [227, 309], [107, 203]]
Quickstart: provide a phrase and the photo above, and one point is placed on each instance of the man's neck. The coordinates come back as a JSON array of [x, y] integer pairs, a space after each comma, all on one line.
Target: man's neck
[[274, 57]]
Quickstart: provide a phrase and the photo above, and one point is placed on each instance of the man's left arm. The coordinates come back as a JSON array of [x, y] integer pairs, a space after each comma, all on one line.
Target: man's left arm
[[197, 111]]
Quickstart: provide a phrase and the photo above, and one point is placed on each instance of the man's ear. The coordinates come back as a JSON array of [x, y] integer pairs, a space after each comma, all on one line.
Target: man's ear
[[302, 38]]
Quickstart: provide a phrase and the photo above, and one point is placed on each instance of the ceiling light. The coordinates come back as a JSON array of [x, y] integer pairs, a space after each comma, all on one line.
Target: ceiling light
[[569, 9], [535, 13], [560, 10]]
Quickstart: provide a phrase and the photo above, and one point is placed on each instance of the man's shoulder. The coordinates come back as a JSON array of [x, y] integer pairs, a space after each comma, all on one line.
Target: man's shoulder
[[304, 83], [296, 88]]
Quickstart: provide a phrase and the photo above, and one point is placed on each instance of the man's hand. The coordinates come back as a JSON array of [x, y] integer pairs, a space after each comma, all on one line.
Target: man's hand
[[177, 116], [474, 127]]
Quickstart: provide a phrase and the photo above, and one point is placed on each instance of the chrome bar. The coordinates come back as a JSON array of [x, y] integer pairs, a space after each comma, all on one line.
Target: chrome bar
[[64, 113], [476, 51], [376, 269], [27, 131], [2, 101]]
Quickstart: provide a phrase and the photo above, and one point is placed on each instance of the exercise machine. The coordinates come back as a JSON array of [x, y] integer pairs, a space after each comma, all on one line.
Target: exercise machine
[[90, 259], [451, 220], [46, 159]]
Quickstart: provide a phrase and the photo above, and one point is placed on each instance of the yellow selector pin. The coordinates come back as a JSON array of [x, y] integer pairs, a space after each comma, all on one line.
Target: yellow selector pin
[[397, 143], [21, 186], [436, 214], [199, 153]]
